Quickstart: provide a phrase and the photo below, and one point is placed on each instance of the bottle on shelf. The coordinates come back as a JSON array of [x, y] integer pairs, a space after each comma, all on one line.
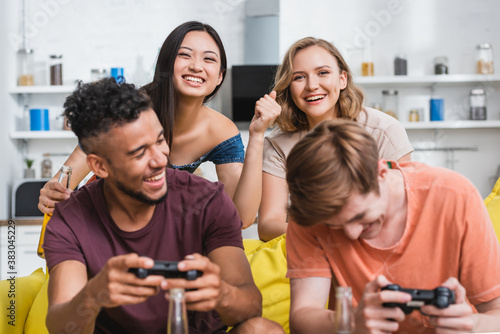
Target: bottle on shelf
[[56, 70], [177, 314], [98, 74], [391, 102], [400, 65], [441, 65], [344, 314], [477, 104], [64, 178], [484, 58], [367, 69], [25, 67], [414, 115], [46, 166]]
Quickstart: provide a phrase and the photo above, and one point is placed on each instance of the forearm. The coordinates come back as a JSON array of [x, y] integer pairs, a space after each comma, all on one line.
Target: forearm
[[312, 320], [78, 161], [270, 229], [237, 304], [77, 315], [486, 322], [249, 190]]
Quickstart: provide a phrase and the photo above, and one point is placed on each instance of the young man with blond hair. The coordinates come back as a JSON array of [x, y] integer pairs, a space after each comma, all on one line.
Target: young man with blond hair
[[364, 222]]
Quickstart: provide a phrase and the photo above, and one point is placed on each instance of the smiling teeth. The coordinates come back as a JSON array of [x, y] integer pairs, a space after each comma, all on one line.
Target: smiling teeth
[[156, 178], [194, 79], [315, 97]]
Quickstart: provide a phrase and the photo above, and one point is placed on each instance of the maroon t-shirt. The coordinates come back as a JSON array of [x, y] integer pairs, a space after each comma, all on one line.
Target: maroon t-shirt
[[197, 216]]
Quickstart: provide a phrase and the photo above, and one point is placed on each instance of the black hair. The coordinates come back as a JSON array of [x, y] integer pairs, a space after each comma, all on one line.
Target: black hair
[[94, 108], [161, 89]]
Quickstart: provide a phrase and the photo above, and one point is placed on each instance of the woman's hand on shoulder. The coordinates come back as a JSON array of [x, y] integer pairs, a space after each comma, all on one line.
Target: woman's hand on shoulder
[[266, 111], [51, 193]]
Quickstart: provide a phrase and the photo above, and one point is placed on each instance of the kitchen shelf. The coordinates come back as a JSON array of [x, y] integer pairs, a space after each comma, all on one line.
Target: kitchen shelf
[[41, 89], [425, 80], [460, 124], [42, 134]]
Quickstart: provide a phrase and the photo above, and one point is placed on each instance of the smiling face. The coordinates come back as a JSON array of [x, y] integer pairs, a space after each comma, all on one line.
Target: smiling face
[[362, 217], [136, 159], [316, 84], [197, 68]]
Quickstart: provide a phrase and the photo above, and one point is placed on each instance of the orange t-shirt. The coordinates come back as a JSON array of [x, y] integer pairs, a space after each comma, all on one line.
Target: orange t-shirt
[[448, 234]]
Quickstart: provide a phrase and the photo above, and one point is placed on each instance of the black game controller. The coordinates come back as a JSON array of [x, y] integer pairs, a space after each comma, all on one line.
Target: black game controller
[[167, 269], [440, 297]]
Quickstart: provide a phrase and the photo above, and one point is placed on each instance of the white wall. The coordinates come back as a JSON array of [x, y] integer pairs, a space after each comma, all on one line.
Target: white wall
[[422, 30], [128, 33], [11, 163]]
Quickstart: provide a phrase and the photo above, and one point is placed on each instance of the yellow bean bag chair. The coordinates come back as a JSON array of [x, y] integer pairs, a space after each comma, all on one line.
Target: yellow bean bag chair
[[268, 264], [492, 203], [17, 300]]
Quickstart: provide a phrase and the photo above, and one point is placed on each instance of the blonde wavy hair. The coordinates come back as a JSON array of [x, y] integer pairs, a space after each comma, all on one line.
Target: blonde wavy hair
[[293, 119]]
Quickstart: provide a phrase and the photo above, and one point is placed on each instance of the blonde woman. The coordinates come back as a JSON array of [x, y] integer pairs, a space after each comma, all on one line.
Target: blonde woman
[[314, 84]]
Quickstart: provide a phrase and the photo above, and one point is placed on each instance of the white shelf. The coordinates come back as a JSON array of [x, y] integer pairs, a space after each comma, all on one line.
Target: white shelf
[[426, 80], [464, 124], [42, 89], [42, 134]]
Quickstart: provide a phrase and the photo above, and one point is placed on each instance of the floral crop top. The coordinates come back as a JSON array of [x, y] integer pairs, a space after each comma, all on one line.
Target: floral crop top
[[230, 150]]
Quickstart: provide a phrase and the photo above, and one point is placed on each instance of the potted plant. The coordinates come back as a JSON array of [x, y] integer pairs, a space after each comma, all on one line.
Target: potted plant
[[28, 171]]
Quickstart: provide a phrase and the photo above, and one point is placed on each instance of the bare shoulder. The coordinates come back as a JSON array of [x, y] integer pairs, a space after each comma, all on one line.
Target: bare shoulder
[[219, 126]]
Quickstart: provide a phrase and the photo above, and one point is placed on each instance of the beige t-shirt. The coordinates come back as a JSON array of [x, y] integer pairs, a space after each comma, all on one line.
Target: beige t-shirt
[[389, 134]]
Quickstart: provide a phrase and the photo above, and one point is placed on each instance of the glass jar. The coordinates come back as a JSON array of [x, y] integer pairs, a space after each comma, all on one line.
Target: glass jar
[[98, 74], [441, 65], [55, 70], [46, 166], [25, 67], [414, 115], [484, 58], [477, 104], [391, 102], [400, 65], [367, 64]]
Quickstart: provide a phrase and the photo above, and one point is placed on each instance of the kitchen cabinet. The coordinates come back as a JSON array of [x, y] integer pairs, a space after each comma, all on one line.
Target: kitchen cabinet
[[58, 143], [23, 250], [416, 91], [50, 97]]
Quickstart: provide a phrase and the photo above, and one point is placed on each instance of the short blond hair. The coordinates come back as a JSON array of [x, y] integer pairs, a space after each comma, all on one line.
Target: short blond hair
[[292, 118], [335, 160]]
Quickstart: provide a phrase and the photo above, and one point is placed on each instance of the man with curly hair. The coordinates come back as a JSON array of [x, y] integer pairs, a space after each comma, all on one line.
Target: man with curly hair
[[139, 211]]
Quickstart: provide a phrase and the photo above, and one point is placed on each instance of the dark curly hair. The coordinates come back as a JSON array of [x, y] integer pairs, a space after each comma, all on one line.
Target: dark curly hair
[[94, 108]]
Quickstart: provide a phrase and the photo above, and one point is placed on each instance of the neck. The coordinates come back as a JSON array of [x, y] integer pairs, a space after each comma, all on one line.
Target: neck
[[128, 213], [313, 121], [397, 210], [187, 110]]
